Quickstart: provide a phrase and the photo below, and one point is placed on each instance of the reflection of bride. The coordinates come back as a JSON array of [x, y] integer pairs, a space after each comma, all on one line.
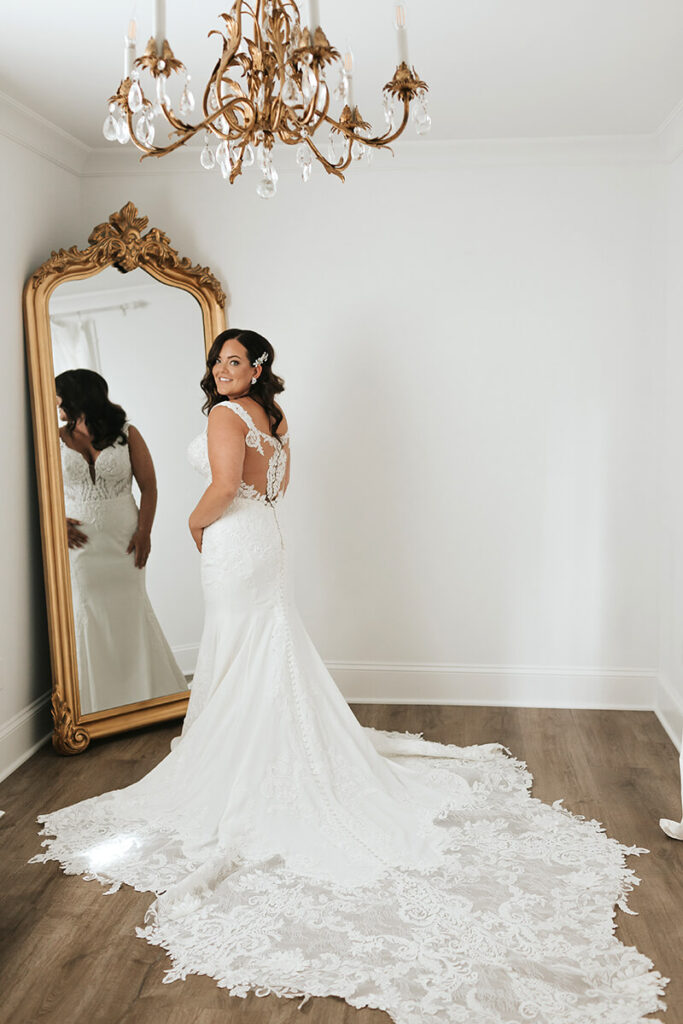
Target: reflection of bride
[[293, 851], [121, 651]]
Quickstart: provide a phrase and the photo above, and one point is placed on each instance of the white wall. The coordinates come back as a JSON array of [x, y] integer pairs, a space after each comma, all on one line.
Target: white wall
[[39, 211], [473, 385], [670, 696], [471, 349]]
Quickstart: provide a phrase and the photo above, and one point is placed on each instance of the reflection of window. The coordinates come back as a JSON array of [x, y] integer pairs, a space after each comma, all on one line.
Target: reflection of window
[[75, 344]]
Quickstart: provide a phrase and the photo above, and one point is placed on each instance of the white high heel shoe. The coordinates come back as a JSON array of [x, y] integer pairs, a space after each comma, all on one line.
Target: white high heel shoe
[[673, 829]]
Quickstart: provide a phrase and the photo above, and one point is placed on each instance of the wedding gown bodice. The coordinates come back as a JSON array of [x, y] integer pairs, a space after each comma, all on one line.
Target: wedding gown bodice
[[265, 460], [113, 476]]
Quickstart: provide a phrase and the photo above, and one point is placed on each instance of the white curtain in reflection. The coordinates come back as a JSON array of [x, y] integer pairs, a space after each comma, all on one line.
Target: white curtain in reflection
[[75, 344]]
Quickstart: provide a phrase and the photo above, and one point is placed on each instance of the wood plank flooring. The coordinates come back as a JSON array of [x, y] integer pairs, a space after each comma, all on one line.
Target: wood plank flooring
[[69, 954]]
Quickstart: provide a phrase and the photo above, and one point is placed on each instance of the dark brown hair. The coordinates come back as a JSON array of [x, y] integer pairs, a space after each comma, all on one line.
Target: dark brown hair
[[266, 387], [86, 393]]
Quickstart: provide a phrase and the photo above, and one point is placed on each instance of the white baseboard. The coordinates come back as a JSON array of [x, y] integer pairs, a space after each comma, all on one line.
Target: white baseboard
[[496, 685], [397, 683], [23, 734], [669, 710]]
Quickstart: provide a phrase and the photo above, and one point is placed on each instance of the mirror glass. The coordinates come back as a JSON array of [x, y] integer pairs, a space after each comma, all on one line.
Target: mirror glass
[[137, 628]]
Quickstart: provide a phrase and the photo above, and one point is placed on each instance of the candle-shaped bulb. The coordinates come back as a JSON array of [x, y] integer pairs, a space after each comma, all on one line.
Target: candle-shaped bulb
[[132, 29], [401, 21], [313, 15], [347, 61], [159, 25], [129, 53]]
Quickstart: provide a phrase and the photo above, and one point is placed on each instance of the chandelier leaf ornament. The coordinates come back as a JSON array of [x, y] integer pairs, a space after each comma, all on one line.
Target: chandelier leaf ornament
[[272, 82]]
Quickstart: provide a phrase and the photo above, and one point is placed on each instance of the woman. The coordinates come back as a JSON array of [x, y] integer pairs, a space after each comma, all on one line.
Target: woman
[[294, 851], [122, 653]]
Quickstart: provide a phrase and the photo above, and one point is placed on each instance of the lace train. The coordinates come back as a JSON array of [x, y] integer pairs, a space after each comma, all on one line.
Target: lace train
[[293, 851], [514, 924]]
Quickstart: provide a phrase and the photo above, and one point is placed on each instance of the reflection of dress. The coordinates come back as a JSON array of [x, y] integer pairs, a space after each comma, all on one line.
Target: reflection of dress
[[122, 653], [294, 851]]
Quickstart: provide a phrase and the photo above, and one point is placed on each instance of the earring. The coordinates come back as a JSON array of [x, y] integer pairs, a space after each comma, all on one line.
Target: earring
[[254, 379]]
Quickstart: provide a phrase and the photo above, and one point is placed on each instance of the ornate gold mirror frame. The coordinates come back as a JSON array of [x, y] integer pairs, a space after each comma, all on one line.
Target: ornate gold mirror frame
[[119, 243]]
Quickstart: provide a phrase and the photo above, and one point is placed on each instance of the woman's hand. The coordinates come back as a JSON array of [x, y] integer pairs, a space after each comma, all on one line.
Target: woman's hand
[[197, 533], [75, 537], [140, 542]]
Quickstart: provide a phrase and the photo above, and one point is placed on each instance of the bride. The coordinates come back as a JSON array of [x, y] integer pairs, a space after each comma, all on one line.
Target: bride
[[293, 851]]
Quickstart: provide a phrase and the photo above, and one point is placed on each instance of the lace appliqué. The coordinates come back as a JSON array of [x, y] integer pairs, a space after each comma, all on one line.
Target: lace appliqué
[[198, 456], [84, 498]]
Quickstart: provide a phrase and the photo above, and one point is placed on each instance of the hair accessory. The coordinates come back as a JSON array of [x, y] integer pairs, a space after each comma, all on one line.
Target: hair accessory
[[261, 359]]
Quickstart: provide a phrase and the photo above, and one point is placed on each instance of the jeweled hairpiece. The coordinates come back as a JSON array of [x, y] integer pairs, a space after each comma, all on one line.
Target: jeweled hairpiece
[[261, 359]]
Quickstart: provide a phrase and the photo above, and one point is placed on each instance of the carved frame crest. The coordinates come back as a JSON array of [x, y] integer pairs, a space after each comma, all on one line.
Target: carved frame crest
[[122, 243]]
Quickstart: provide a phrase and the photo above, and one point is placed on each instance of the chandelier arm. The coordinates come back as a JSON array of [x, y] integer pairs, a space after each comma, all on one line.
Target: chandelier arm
[[184, 133], [380, 141], [335, 169], [225, 110]]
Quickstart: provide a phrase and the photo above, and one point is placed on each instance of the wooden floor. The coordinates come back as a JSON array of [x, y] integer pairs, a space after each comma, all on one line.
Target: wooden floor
[[69, 954]]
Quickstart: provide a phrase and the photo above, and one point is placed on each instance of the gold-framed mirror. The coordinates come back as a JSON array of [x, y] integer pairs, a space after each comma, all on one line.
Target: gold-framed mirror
[[129, 311]]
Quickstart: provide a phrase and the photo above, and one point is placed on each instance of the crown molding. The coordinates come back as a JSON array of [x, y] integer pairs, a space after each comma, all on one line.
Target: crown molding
[[35, 133], [46, 139], [409, 155]]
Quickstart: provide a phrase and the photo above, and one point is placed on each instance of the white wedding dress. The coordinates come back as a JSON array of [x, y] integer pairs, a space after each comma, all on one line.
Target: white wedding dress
[[294, 852], [121, 651]]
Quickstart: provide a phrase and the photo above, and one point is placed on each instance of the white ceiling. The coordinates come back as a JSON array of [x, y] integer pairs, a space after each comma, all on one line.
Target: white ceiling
[[496, 68]]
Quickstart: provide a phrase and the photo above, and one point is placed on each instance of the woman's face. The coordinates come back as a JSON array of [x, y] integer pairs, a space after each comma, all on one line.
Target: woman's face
[[64, 417], [60, 412], [232, 370]]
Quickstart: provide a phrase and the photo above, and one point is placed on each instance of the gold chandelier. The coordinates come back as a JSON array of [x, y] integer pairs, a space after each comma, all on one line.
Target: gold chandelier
[[270, 82]]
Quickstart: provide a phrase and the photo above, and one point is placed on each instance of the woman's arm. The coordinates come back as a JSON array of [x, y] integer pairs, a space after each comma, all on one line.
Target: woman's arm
[[143, 471], [226, 444]]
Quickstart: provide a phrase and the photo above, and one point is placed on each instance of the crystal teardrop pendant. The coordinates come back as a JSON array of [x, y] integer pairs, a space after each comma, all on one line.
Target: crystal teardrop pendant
[[223, 155], [144, 130], [290, 93], [207, 158], [323, 96], [149, 132], [267, 186], [309, 83], [122, 131], [342, 90], [248, 155], [304, 160], [186, 101], [109, 129], [162, 97], [135, 97], [332, 148], [357, 150], [423, 124]]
